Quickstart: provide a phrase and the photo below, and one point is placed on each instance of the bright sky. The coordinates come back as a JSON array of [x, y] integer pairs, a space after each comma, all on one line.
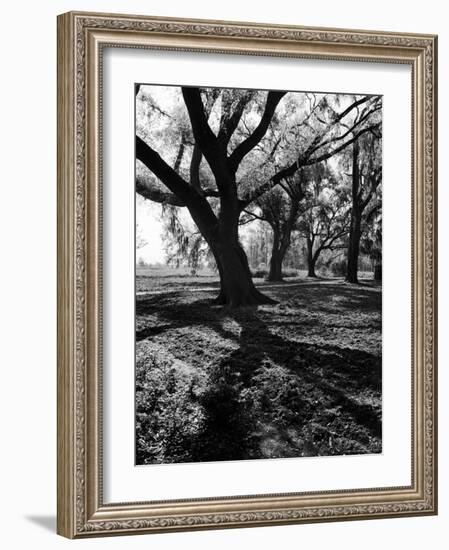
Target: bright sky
[[150, 228]]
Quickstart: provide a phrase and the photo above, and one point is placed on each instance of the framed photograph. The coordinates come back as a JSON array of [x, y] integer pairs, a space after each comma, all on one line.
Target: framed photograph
[[246, 274]]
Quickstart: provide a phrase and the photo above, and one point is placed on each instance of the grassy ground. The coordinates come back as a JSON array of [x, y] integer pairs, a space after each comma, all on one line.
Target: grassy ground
[[300, 378]]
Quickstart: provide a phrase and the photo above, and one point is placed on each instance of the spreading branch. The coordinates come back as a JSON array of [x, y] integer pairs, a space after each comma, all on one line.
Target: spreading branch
[[155, 194], [204, 137], [273, 99], [196, 203], [301, 162]]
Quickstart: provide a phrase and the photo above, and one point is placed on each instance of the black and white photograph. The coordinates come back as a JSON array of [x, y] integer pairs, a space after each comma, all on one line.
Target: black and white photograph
[[258, 276]]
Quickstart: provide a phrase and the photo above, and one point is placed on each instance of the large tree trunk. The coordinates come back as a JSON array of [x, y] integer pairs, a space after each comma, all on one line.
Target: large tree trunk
[[281, 242], [311, 269], [275, 272], [311, 259], [378, 270], [356, 220], [236, 284], [354, 246]]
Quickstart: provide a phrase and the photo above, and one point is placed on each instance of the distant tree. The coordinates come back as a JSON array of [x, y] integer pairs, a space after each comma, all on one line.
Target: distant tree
[[366, 177], [371, 241], [325, 218], [257, 244], [280, 208]]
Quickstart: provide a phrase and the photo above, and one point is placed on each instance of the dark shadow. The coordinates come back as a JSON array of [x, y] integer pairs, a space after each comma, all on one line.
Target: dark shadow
[[46, 522], [228, 424], [284, 391], [176, 314], [310, 295], [151, 331], [336, 371], [319, 297]]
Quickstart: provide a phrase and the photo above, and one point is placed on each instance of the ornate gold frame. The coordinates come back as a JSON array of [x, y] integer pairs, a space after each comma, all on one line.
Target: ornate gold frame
[[81, 37]]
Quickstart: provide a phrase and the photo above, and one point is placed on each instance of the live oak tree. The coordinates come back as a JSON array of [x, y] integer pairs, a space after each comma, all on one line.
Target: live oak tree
[[325, 218], [280, 208], [365, 180], [258, 246], [371, 241], [199, 157]]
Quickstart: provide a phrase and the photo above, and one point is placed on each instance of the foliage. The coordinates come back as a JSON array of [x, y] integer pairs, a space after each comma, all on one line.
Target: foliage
[[260, 273], [338, 267], [184, 246], [324, 221], [232, 156], [371, 242]]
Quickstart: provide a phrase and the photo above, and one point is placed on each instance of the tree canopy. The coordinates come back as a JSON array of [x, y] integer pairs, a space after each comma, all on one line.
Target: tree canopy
[[228, 153]]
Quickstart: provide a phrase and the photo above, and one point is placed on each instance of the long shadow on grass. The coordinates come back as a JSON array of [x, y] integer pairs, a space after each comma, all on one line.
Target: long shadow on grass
[[333, 298], [275, 397], [173, 312], [310, 296]]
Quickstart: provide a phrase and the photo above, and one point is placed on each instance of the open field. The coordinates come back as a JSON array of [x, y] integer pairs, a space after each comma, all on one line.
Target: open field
[[299, 378], [159, 279]]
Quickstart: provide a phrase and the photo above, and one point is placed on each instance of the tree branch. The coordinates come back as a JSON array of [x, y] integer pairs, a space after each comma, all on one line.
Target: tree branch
[[199, 207], [195, 163], [229, 121], [350, 130], [197, 155], [273, 99], [154, 162], [256, 216], [204, 137], [330, 154], [147, 191], [299, 163]]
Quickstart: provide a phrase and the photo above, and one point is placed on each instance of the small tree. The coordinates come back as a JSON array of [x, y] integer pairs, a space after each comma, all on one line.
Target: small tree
[[325, 219], [280, 208], [371, 241], [365, 179]]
